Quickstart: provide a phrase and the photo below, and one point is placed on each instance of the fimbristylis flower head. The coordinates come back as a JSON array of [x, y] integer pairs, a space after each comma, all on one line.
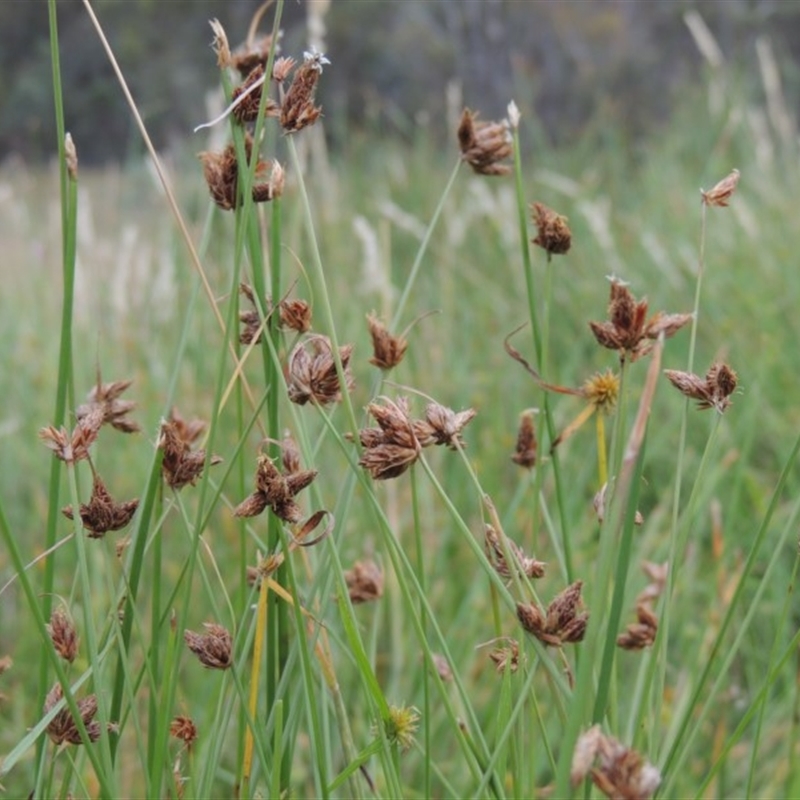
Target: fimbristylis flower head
[[484, 145]]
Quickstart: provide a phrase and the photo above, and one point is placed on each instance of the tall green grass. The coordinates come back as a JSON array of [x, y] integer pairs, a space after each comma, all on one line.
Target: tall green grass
[[320, 689]]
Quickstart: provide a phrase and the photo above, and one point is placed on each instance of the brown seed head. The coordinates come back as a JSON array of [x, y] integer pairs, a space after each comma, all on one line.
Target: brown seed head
[[496, 555], [484, 144], [446, 425], [527, 446], [392, 447], [186, 431], [297, 109], [275, 491], [619, 772], [180, 465], [252, 54], [312, 375], [295, 315], [507, 656], [63, 727], [247, 108], [74, 447], [213, 648], [563, 623], [106, 397], [364, 581], [183, 728], [282, 68], [713, 391], [388, 350], [102, 513], [554, 234], [721, 193], [63, 634], [641, 633]]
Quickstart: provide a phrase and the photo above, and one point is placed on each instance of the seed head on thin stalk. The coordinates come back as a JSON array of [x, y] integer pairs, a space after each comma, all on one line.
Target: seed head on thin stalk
[[722, 192], [388, 350], [64, 728], [63, 634], [554, 235], [506, 656], [297, 108], [106, 397], [527, 446], [102, 513], [484, 145], [562, 623], [212, 648], [713, 391], [72, 447], [364, 581], [184, 729], [628, 330], [311, 371], [248, 95], [523, 564], [392, 447], [180, 465]]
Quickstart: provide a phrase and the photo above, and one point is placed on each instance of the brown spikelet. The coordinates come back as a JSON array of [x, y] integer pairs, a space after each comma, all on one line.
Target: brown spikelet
[[247, 108], [484, 145], [526, 450], [445, 425], [554, 234], [312, 376], [63, 727], [106, 397], [213, 648], [75, 446], [297, 109], [507, 656], [221, 171], [563, 623], [180, 465], [497, 557], [102, 513], [275, 491], [618, 771], [393, 447], [642, 633], [722, 192], [364, 581], [183, 728], [63, 634], [388, 350], [252, 55], [295, 315], [713, 391], [220, 44]]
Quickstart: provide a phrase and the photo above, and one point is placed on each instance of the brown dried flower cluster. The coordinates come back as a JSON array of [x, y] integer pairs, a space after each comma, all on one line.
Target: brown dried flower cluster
[[297, 109], [102, 513], [246, 110], [484, 144], [294, 315], [721, 193], [63, 727], [642, 633], [63, 635], [105, 397], [392, 447], [617, 771], [527, 447], [221, 171], [180, 464], [388, 350], [75, 446], [275, 491], [506, 657], [713, 391], [312, 376], [562, 624], [183, 728], [497, 557], [554, 234], [364, 581], [628, 330], [213, 648]]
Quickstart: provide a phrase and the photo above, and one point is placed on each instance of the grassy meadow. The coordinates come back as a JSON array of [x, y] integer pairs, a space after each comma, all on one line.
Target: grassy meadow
[[438, 686]]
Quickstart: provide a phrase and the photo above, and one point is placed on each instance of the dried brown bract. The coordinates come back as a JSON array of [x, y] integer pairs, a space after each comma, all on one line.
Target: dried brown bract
[[713, 391], [183, 728], [275, 491], [63, 727], [106, 397], [102, 513], [295, 315], [312, 376], [187, 431], [246, 110], [392, 447], [220, 44], [180, 464], [484, 144], [442, 425], [721, 193], [297, 109], [213, 648], [63, 634], [619, 772], [221, 171], [75, 446], [554, 234], [506, 657], [497, 557], [562, 624], [388, 350], [364, 581], [628, 330], [642, 633], [527, 445]]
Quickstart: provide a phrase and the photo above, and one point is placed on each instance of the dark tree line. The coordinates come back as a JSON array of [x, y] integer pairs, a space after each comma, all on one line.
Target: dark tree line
[[393, 63]]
